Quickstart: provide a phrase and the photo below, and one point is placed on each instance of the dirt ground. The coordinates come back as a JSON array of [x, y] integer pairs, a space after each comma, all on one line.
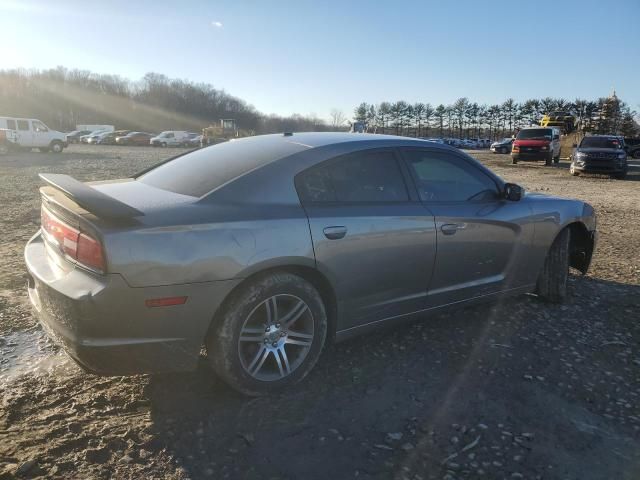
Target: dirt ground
[[519, 389]]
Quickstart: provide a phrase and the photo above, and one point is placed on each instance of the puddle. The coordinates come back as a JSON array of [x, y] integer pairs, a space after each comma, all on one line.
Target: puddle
[[29, 353]]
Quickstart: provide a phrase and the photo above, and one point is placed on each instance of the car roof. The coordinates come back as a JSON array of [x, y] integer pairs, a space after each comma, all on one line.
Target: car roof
[[202, 171]]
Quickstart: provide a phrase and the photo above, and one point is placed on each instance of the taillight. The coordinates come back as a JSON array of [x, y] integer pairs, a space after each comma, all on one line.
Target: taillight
[[515, 147], [89, 253], [77, 245]]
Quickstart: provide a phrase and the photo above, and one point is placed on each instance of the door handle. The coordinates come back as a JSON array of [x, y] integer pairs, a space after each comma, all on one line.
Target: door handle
[[335, 233], [451, 228]]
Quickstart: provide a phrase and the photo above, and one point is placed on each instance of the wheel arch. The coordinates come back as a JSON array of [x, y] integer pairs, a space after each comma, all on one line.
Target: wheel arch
[[581, 245], [308, 273]]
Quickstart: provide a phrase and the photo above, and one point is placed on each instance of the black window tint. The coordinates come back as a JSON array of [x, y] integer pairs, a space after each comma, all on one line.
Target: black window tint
[[441, 177], [23, 125], [11, 124], [315, 186], [358, 177]]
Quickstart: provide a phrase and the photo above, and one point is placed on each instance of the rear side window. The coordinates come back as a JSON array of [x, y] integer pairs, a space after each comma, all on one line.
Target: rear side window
[[442, 177], [201, 171], [355, 178], [23, 125], [11, 124]]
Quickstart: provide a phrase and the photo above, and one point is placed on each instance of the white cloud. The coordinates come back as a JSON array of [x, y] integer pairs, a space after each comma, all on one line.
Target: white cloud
[[217, 24]]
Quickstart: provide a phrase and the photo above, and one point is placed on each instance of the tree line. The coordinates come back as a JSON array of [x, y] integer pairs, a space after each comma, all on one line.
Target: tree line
[[469, 119], [64, 98]]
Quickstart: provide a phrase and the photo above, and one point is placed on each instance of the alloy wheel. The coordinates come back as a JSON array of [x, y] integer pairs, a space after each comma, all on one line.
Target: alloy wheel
[[276, 337]]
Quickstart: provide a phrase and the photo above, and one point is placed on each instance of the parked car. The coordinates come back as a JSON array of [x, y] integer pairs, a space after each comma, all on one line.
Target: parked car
[[502, 146], [535, 144], [599, 154], [170, 138], [74, 137], [109, 138], [262, 248], [96, 128], [193, 140], [632, 147], [33, 133], [95, 139], [95, 133], [135, 138]]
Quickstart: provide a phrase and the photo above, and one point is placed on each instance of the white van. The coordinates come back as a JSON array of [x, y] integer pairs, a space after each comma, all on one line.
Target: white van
[[32, 133], [170, 138]]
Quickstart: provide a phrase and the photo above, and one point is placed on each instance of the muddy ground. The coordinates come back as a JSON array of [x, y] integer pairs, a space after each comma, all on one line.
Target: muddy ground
[[519, 389]]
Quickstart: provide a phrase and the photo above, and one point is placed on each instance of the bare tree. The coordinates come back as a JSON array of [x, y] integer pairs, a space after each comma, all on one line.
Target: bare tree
[[337, 118]]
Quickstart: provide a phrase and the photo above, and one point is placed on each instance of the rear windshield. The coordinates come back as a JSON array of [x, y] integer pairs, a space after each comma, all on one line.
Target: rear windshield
[[600, 142], [198, 173], [535, 134]]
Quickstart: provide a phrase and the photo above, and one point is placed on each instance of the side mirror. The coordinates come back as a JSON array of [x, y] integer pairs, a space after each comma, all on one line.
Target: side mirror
[[513, 192]]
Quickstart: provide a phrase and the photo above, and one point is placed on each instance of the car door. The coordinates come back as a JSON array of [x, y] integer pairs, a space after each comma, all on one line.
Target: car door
[[41, 135], [24, 133], [482, 238], [372, 238]]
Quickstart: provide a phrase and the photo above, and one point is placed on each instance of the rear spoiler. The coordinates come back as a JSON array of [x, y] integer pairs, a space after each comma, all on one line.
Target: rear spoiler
[[92, 200]]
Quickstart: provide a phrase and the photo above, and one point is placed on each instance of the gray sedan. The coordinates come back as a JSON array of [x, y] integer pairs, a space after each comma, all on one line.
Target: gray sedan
[[261, 250]]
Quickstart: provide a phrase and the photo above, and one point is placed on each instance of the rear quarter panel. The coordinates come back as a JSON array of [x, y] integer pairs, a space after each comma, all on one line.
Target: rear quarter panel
[[228, 243]]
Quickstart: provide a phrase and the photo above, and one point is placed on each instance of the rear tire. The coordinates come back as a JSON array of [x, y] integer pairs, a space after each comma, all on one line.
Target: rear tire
[[514, 161], [56, 147], [246, 345], [552, 282], [548, 160], [620, 176]]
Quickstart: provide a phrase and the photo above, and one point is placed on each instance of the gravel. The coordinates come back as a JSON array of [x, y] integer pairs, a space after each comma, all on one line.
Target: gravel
[[527, 389]]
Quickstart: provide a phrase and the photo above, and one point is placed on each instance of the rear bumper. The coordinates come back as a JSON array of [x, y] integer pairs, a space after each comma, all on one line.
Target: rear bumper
[[104, 324]]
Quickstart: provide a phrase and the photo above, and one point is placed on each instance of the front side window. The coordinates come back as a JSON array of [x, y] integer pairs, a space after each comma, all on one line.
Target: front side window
[[23, 125], [441, 177], [355, 178], [11, 124], [39, 126]]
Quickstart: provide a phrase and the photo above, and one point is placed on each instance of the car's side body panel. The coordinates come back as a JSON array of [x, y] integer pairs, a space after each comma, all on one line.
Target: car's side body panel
[[383, 264]]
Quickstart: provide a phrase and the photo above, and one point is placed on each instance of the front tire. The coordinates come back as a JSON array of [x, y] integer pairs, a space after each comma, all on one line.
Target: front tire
[[552, 282], [269, 334]]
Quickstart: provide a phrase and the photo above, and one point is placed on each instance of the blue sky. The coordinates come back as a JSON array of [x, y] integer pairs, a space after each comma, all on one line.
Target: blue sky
[[309, 56]]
